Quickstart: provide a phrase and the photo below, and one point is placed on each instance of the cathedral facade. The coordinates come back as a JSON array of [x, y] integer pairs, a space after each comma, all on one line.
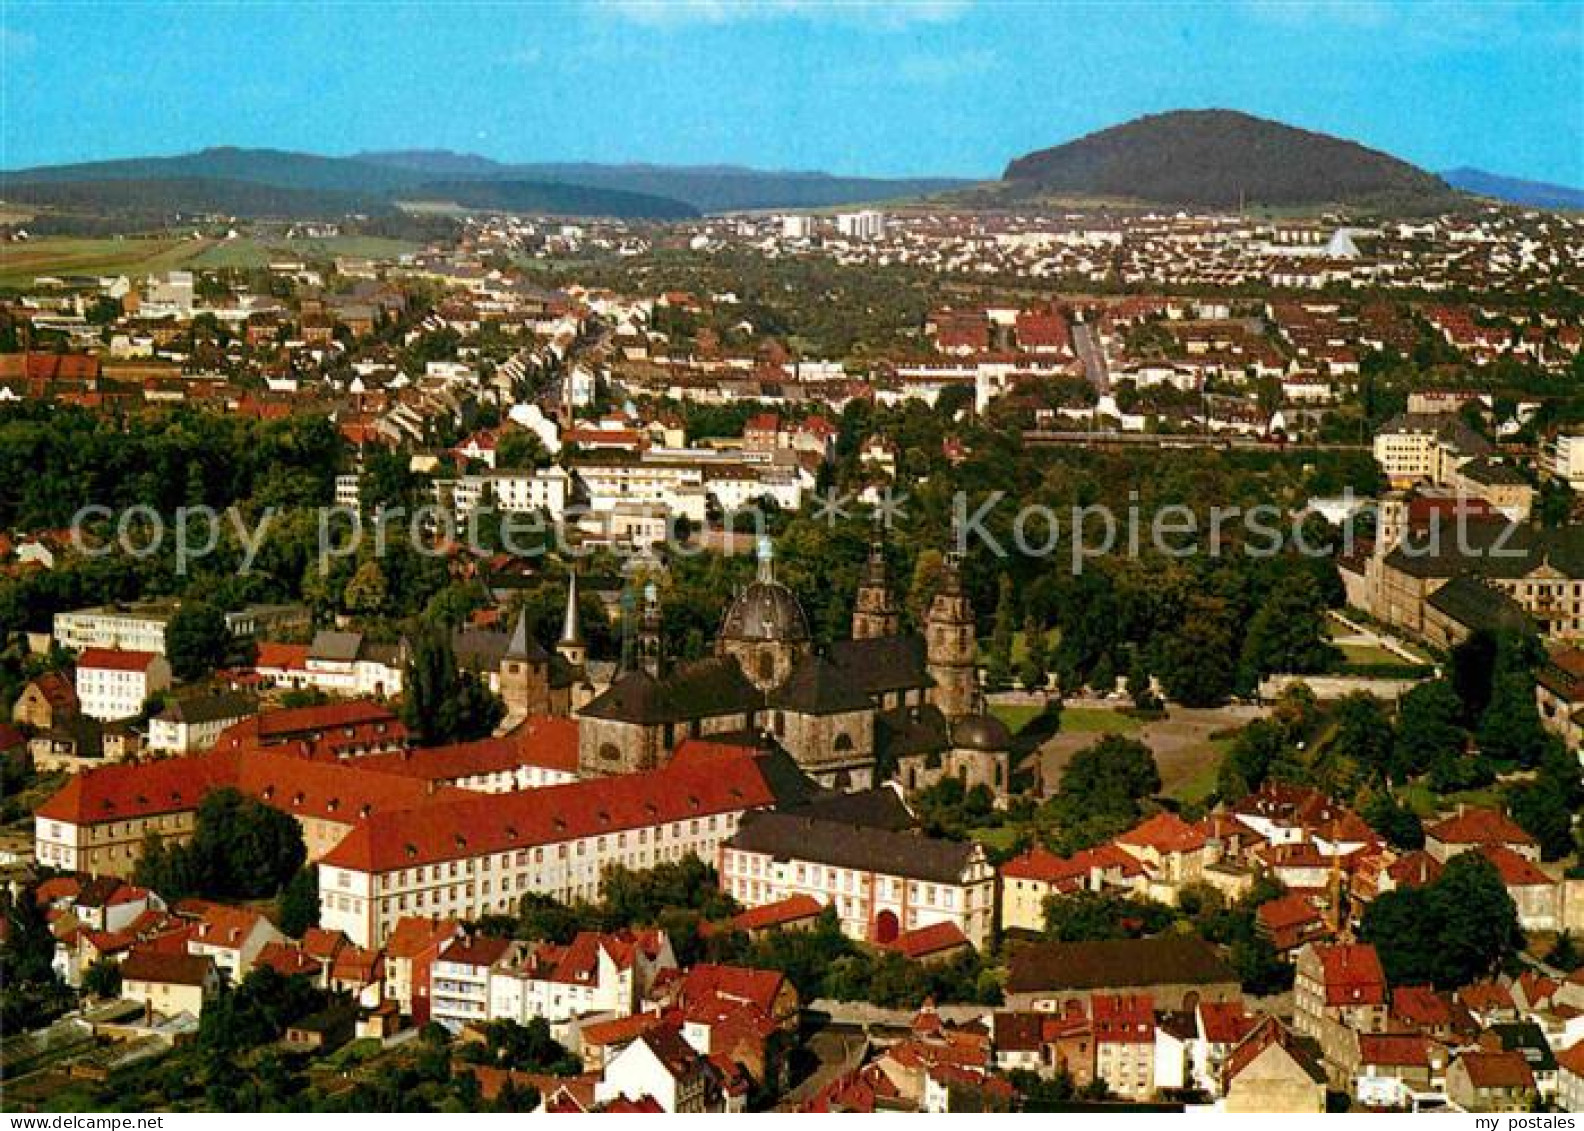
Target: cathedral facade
[[882, 704]]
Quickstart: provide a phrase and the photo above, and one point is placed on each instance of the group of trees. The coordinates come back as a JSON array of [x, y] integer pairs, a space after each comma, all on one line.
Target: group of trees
[[1453, 931], [1102, 792], [240, 849], [442, 703]]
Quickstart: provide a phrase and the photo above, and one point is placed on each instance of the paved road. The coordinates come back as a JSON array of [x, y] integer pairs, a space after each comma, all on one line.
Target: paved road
[[1092, 356]]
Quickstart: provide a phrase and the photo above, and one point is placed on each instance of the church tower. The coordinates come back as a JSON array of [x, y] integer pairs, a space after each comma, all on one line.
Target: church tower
[[572, 647], [951, 647], [875, 612], [524, 674], [649, 632]]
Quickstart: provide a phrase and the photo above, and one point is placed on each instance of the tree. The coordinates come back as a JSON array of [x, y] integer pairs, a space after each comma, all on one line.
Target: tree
[[367, 591], [196, 640], [1395, 821], [1427, 728], [1473, 669], [1101, 789], [1510, 729], [1544, 808], [440, 702], [1360, 747], [998, 670], [1195, 662], [1451, 932], [1288, 633], [519, 447], [299, 902], [1033, 671], [1087, 916], [103, 978], [240, 849]]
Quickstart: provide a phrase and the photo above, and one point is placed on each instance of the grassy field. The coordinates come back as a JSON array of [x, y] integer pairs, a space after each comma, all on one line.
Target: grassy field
[[20, 264], [1425, 802], [1016, 716], [1093, 720]]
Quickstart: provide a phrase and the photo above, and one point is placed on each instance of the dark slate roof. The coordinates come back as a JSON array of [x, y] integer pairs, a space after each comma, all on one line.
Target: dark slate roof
[[882, 663], [1492, 473], [791, 836], [1447, 426], [878, 808], [209, 708], [1490, 549], [1123, 963], [1477, 605], [700, 690], [338, 646], [899, 734], [818, 687], [765, 610]]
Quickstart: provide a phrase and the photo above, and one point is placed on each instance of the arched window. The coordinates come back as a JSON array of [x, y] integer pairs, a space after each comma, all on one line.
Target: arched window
[[843, 744], [610, 752], [766, 666]]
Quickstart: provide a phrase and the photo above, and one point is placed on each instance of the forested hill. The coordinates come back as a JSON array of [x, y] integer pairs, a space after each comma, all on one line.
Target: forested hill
[[207, 181], [1218, 159]]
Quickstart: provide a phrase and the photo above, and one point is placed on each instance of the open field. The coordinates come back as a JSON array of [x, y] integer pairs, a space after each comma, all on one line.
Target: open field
[[1185, 743], [21, 263]]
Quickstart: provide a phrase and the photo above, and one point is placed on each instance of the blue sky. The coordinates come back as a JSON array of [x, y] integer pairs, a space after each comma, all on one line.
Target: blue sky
[[944, 86]]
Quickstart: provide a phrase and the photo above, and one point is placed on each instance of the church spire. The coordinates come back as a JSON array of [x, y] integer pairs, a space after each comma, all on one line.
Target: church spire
[[572, 646]]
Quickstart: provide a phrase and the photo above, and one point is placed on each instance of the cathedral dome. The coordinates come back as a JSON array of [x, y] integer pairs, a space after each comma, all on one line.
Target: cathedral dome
[[766, 612], [980, 732]]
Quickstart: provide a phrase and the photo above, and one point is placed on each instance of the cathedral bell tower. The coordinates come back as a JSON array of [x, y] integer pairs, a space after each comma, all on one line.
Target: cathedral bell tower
[[951, 646], [649, 632], [875, 612]]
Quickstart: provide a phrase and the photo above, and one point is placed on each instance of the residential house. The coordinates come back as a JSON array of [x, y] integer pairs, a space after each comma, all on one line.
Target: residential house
[[1273, 1071], [169, 983], [231, 936], [459, 980], [1491, 1082], [114, 684]]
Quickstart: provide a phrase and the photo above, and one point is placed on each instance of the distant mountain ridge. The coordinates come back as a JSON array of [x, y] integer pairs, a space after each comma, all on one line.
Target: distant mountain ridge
[[1219, 159], [378, 181], [708, 188], [1515, 190]]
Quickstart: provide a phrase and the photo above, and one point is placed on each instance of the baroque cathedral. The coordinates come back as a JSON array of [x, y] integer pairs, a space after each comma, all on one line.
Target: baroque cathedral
[[883, 704]]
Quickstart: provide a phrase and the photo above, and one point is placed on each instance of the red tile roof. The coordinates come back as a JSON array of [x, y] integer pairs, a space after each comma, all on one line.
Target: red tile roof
[[1224, 1022], [115, 660], [735, 983], [1353, 974], [1507, 1070], [922, 942], [1409, 1050], [793, 909], [147, 965], [549, 743], [1165, 833], [412, 935], [1515, 871], [473, 825], [1478, 826]]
